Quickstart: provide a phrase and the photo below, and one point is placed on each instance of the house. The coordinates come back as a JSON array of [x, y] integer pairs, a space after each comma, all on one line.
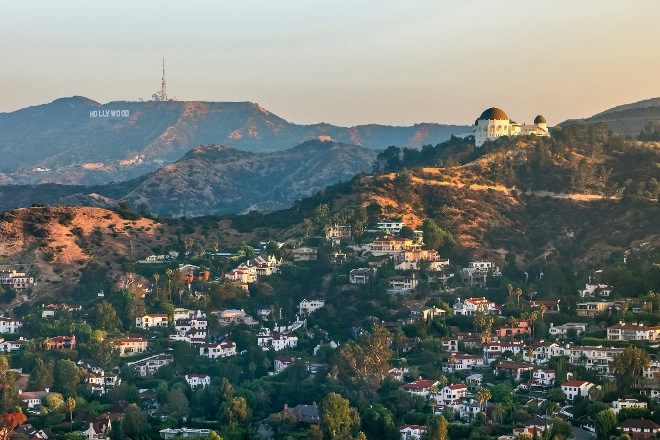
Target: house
[[620, 404], [11, 346], [562, 331], [468, 410], [32, 399], [402, 285], [452, 394], [243, 275], [592, 308], [639, 428], [303, 413], [390, 226], [420, 387], [462, 361], [595, 358], [473, 305], [389, 245], [152, 320], [16, 280], [360, 275], [550, 304], [132, 346], [169, 433], [100, 382], [234, 316], [515, 369], [217, 350], [337, 233], [477, 273], [280, 363], [633, 332], [306, 307], [519, 330], [276, 341], [198, 380], [543, 378], [9, 325], [595, 290], [60, 343], [449, 344], [148, 366], [494, 350], [305, 253], [412, 432], [426, 313], [574, 388]]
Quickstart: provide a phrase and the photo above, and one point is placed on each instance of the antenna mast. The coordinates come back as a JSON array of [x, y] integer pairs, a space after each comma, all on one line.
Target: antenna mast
[[163, 87]]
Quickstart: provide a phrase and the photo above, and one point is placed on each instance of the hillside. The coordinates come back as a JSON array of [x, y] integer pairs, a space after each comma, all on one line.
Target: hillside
[[627, 119], [213, 179], [79, 141]]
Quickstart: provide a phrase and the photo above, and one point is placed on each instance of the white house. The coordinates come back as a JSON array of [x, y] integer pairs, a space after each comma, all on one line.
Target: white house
[[543, 378], [390, 226], [462, 361], [9, 325], [633, 332], [152, 320], [32, 399], [198, 380], [595, 290], [100, 382], [620, 404], [218, 350], [412, 432], [276, 341], [420, 387], [561, 331], [280, 363], [574, 388], [148, 366], [452, 394], [494, 350], [306, 307], [473, 305], [477, 272]]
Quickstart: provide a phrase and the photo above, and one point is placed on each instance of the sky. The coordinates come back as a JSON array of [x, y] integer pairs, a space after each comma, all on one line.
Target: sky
[[342, 62]]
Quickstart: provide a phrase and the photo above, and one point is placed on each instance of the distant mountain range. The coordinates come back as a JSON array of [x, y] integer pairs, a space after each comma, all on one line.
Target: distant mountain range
[[80, 141], [213, 179]]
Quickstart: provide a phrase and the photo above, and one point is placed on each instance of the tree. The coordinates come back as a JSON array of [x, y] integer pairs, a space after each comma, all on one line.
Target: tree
[[41, 376], [435, 237], [67, 377], [629, 365], [106, 317], [70, 406], [9, 399], [335, 414], [178, 401], [236, 410], [483, 395], [605, 424], [135, 421], [439, 429], [9, 422]]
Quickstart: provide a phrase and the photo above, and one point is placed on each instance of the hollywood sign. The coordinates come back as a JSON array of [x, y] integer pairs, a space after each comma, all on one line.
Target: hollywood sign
[[109, 113]]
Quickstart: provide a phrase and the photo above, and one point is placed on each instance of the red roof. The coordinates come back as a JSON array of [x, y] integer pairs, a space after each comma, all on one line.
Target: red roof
[[574, 383], [420, 384], [458, 386]]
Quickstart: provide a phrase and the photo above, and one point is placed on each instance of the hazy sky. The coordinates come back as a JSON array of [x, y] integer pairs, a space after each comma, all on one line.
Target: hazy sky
[[341, 62]]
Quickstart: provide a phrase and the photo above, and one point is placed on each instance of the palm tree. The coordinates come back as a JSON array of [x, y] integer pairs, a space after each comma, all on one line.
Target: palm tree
[[70, 406], [543, 309], [483, 395], [156, 278], [519, 293]]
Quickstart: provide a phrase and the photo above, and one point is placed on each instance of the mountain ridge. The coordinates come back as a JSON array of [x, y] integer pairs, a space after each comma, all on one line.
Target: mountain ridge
[[77, 140]]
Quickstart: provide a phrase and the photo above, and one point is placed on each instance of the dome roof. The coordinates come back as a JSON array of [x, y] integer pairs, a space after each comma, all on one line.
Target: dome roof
[[494, 113], [540, 120]]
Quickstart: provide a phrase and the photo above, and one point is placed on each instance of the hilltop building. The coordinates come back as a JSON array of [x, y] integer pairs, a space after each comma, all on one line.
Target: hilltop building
[[494, 123]]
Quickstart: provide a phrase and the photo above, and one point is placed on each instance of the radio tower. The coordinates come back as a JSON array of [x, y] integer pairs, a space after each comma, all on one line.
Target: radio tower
[[163, 86]]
